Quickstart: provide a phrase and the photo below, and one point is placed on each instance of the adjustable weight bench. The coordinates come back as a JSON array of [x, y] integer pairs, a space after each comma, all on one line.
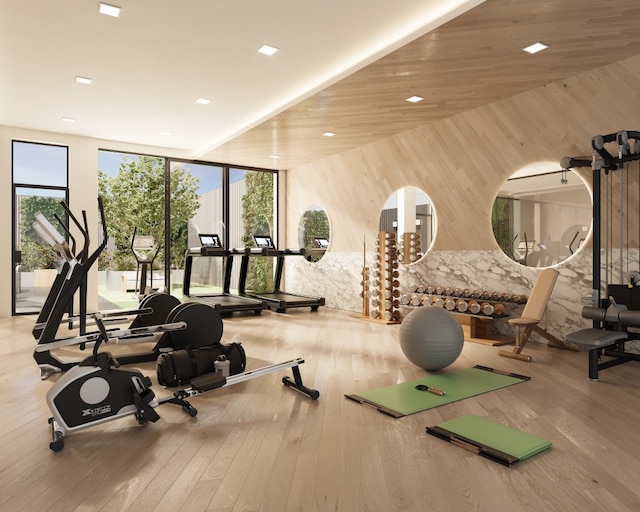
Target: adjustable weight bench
[[532, 315]]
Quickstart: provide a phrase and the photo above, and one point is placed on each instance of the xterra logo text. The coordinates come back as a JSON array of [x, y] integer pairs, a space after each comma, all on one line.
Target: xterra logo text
[[98, 411]]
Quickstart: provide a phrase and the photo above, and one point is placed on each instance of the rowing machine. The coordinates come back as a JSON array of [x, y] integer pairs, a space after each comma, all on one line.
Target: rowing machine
[[97, 391]]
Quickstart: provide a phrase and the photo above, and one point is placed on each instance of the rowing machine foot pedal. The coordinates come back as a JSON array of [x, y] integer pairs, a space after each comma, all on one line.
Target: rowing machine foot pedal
[[145, 411], [208, 382]]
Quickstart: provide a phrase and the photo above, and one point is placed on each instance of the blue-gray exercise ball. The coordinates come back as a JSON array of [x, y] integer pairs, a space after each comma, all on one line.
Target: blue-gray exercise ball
[[431, 337]]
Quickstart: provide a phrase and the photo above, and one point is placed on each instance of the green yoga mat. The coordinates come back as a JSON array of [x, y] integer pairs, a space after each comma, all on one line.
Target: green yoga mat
[[403, 399], [495, 441]]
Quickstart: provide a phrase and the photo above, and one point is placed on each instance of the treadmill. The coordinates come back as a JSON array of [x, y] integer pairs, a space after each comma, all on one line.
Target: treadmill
[[277, 300], [225, 302]]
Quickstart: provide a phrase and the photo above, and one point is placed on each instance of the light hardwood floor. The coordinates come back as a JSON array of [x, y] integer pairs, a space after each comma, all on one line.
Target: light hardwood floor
[[260, 446]]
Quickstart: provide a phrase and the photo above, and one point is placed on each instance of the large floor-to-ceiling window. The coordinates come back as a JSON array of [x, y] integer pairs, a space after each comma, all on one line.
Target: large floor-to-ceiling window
[[165, 202], [231, 203], [196, 204], [132, 188], [171, 202], [253, 212], [40, 178]]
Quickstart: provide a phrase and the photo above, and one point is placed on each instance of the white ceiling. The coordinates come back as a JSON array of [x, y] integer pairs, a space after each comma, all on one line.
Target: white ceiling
[[150, 65]]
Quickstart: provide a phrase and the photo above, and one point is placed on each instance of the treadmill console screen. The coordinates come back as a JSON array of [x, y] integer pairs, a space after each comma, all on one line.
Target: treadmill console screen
[[210, 241], [264, 242]]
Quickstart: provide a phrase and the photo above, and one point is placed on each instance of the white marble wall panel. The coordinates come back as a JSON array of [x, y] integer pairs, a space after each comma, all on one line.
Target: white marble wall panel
[[337, 277]]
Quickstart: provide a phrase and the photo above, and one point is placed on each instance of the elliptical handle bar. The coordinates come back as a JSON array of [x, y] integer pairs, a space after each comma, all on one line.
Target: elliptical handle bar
[[84, 231], [66, 230]]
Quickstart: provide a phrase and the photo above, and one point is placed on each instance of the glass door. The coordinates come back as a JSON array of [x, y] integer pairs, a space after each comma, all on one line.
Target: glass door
[[40, 179], [34, 262]]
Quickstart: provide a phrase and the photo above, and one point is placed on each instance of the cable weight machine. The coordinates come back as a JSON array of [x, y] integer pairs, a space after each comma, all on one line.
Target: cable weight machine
[[615, 305], [604, 165]]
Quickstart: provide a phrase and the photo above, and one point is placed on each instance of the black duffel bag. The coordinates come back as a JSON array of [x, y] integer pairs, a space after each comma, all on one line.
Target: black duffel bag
[[180, 366]]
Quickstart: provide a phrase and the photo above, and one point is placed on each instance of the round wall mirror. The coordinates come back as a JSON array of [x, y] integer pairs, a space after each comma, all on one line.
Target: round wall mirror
[[410, 215], [314, 232], [542, 215]]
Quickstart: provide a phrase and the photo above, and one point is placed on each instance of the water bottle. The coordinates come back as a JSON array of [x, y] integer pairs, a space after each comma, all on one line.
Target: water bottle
[[222, 365]]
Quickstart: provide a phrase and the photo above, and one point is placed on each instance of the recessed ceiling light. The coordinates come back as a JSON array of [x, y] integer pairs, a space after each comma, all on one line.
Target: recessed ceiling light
[[535, 48], [267, 50], [328, 134], [203, 101], [109, 10], [415, 99], [166, 134], [83, 80], [68, 120]]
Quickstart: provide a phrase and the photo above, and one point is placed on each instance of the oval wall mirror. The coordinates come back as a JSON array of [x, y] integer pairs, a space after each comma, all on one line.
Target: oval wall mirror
[[542, 215], [410, 215], [314, 232]]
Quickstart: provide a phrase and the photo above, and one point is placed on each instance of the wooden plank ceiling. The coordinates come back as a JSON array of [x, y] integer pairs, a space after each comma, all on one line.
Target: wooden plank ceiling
[[474, 60]]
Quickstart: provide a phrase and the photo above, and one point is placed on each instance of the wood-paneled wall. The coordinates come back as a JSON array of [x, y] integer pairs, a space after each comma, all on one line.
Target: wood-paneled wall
[[461, 162]]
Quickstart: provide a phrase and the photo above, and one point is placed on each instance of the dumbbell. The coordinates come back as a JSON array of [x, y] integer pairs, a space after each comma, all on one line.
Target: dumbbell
[[487, 308], [474, 307], [461, 305], [391, 293], [438, 302]]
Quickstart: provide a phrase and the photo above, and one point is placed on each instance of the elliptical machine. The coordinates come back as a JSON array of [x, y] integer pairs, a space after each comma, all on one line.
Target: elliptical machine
[[151, 321], [145, 250]]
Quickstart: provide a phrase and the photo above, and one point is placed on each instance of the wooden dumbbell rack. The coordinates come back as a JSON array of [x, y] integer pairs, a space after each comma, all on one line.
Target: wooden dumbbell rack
[[365, 284], [384, 286], [411, 248], [380, 294], [366, 293], [476, 324]]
